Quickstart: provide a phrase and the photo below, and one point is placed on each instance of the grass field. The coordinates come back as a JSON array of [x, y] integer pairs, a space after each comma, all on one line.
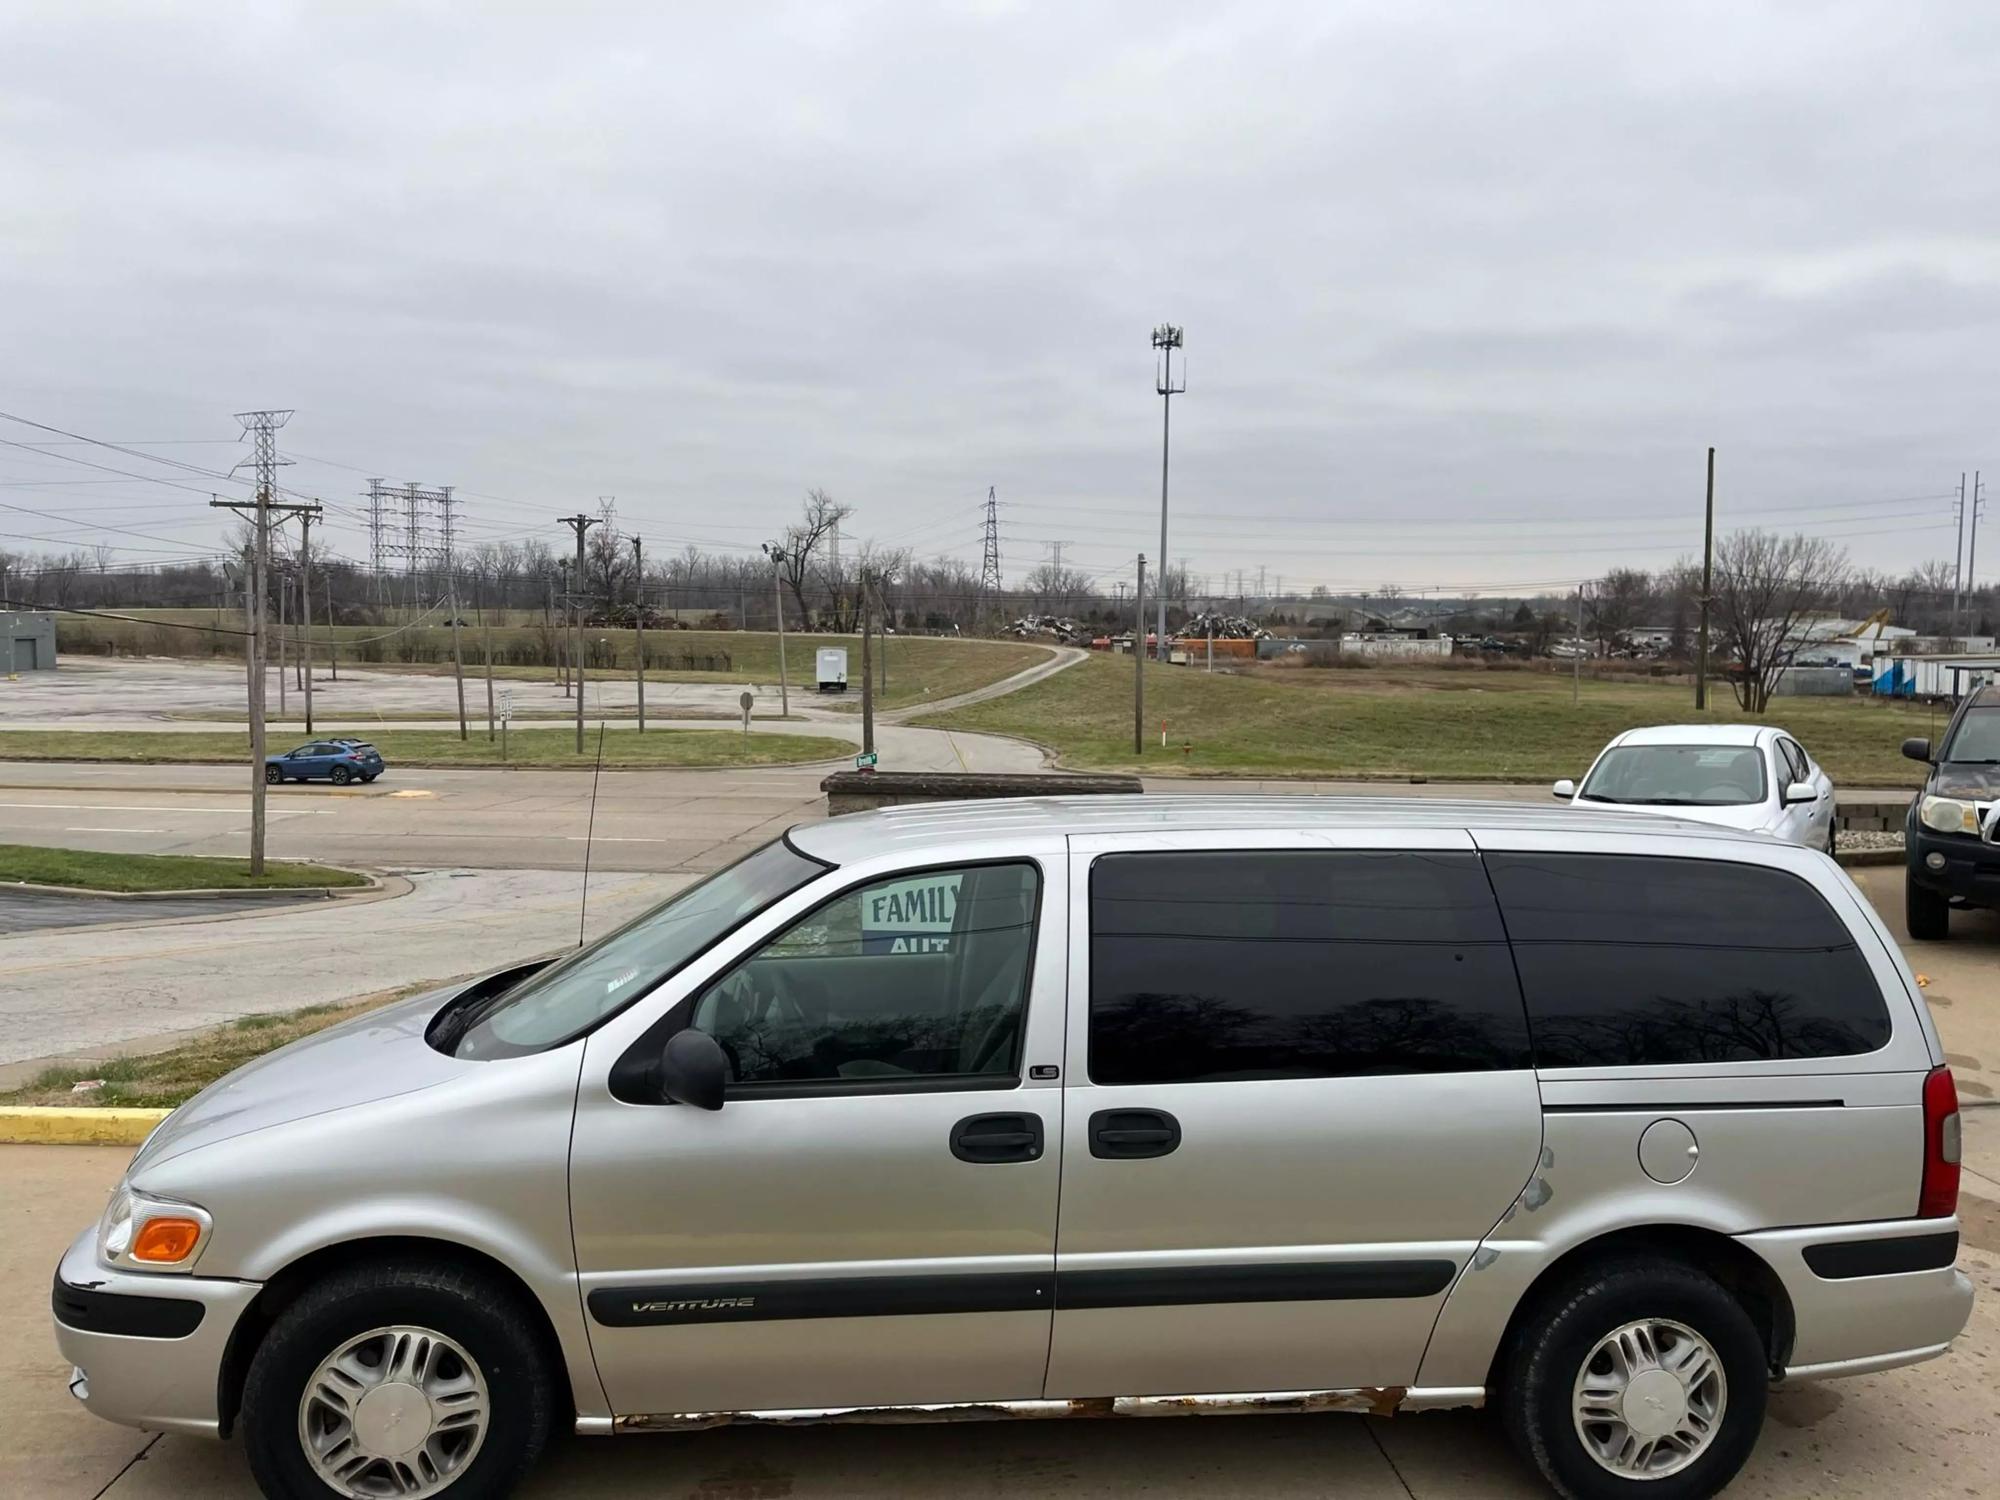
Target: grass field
[[165, 1080], [919, 667], [158, 872], [540, 749], [1438, 723]]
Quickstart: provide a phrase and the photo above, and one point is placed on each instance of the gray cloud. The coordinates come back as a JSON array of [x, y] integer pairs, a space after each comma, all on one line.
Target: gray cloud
[[1440, 265]]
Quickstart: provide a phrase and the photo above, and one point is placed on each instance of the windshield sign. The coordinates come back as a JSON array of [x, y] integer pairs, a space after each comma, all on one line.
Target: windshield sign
[[1678, 776]]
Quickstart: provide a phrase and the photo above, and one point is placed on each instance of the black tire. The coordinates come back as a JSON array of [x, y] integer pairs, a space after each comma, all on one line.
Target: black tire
[[368, 776], [340, 775], [486, 1318], [1539, 1373], [1925, 912], [273, 774], [1833, 841]]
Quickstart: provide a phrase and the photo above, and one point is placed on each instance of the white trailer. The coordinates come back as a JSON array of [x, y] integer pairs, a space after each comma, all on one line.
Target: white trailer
[[832, 667]]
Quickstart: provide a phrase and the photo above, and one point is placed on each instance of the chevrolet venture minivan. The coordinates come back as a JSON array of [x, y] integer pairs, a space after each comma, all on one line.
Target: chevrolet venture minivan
[[1075, 1107]]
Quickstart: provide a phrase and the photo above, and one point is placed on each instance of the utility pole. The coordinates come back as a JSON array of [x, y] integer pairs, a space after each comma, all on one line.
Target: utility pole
[[639, 624], [457, 654], [777, 556], [262, 428], [888, 629], [1958, 555], [1972, 554], [1576, 661], [1707, 589], [305, 607], [486, 650], [1166, 339], [283, 589], [867, 668], [580, 523], [1139, 661]]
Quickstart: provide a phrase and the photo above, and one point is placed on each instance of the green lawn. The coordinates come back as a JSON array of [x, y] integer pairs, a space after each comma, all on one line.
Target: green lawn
[[157, 872], [539, 748], [165, 1080], [1439, 723]]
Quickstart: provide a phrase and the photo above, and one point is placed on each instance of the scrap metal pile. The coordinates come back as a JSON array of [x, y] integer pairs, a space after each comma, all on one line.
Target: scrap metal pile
[[1061, 627], [1213, 626]]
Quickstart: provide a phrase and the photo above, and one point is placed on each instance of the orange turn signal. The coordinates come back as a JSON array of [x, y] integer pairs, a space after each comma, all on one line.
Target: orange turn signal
[[166, 1242]]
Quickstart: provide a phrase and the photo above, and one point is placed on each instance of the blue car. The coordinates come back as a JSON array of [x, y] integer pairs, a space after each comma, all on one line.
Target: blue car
[[339, 761]]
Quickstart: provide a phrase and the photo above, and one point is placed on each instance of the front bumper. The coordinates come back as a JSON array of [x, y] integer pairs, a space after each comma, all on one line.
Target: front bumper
[[1851, 1322], [134, 1364], [1971, 870]]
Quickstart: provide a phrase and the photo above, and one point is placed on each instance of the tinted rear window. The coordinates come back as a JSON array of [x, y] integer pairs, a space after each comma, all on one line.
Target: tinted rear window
[[1297, 964], [1629, 960]]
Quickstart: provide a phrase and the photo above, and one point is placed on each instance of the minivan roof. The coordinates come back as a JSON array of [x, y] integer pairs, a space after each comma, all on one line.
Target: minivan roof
[[939, 825]]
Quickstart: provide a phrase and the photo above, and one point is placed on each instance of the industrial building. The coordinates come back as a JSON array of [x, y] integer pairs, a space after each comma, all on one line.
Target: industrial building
[[30, 639]]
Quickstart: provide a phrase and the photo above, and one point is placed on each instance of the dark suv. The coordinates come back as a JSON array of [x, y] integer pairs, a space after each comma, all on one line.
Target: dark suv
[[1951, 857]]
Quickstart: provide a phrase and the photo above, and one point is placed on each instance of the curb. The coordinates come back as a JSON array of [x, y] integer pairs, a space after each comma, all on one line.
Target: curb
[[43, 1125], [201, 893], [1864, 858]]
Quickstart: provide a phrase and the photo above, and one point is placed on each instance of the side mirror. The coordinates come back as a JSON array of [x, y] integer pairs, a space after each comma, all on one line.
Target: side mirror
[[693, 1070], [1800, 791], [1917, 750], [1564, 789]]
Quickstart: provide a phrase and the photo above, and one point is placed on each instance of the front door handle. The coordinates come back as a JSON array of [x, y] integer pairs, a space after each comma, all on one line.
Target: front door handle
[[1131, 1134], [983, 1139]]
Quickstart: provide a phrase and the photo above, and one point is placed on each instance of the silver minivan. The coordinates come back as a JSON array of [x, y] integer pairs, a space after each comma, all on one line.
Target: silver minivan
[[1108, 1107]]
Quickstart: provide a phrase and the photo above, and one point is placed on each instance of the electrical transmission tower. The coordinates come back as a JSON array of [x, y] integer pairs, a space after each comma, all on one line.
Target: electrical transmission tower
[[426, 541], [989, 567]]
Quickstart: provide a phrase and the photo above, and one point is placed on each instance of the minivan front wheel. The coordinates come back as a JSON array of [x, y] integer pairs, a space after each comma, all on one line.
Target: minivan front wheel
[[409, 1381], [1637, 1378]]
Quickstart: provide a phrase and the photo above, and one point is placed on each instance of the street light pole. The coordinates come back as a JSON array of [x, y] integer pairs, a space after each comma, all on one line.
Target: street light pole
[[1166, 339], [777, 556]]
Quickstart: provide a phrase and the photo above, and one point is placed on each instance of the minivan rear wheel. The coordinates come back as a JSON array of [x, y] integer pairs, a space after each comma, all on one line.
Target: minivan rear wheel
[[412, 1381], [1637, 1378], [1925, 912]]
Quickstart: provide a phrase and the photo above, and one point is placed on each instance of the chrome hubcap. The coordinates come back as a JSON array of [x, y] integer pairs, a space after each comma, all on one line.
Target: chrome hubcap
[[395, 1412], [1649, 1399]]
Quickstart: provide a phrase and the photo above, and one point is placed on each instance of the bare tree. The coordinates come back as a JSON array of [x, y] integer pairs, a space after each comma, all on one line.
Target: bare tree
[[818, 516], [1613, 607], [1767, 589]]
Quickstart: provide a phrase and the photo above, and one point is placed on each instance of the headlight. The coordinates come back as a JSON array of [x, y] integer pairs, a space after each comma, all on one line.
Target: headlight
[[142, 1233], [1948, 815]]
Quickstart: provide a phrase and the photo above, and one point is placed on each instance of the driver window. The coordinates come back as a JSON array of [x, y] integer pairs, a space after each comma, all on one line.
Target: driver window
[[919, 977]]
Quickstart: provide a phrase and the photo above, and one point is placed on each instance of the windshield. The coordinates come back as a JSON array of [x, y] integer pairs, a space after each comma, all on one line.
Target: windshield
[[569, 998], [1678, 776], [1977, 742]]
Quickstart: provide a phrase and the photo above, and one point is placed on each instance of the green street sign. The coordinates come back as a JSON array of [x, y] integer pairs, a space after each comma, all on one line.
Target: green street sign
[[865, 761]]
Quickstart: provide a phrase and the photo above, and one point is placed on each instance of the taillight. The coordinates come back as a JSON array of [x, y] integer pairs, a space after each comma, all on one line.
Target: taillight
[[1939, 1196]]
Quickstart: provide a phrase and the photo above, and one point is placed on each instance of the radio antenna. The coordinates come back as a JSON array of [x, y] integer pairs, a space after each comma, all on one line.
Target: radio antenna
[[589, 831]]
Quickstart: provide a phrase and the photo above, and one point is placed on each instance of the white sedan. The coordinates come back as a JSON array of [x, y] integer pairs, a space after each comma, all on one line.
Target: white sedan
[[1747, 776]]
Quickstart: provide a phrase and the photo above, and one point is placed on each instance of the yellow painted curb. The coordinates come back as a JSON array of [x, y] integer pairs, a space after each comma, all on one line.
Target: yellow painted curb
[[48, 1126]]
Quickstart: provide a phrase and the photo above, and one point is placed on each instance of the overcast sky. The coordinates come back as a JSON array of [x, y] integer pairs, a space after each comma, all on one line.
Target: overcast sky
[[1468, 289]]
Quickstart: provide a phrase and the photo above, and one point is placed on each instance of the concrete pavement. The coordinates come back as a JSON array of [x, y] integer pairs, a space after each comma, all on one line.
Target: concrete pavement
[[1925, 1431], [85, 991]]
